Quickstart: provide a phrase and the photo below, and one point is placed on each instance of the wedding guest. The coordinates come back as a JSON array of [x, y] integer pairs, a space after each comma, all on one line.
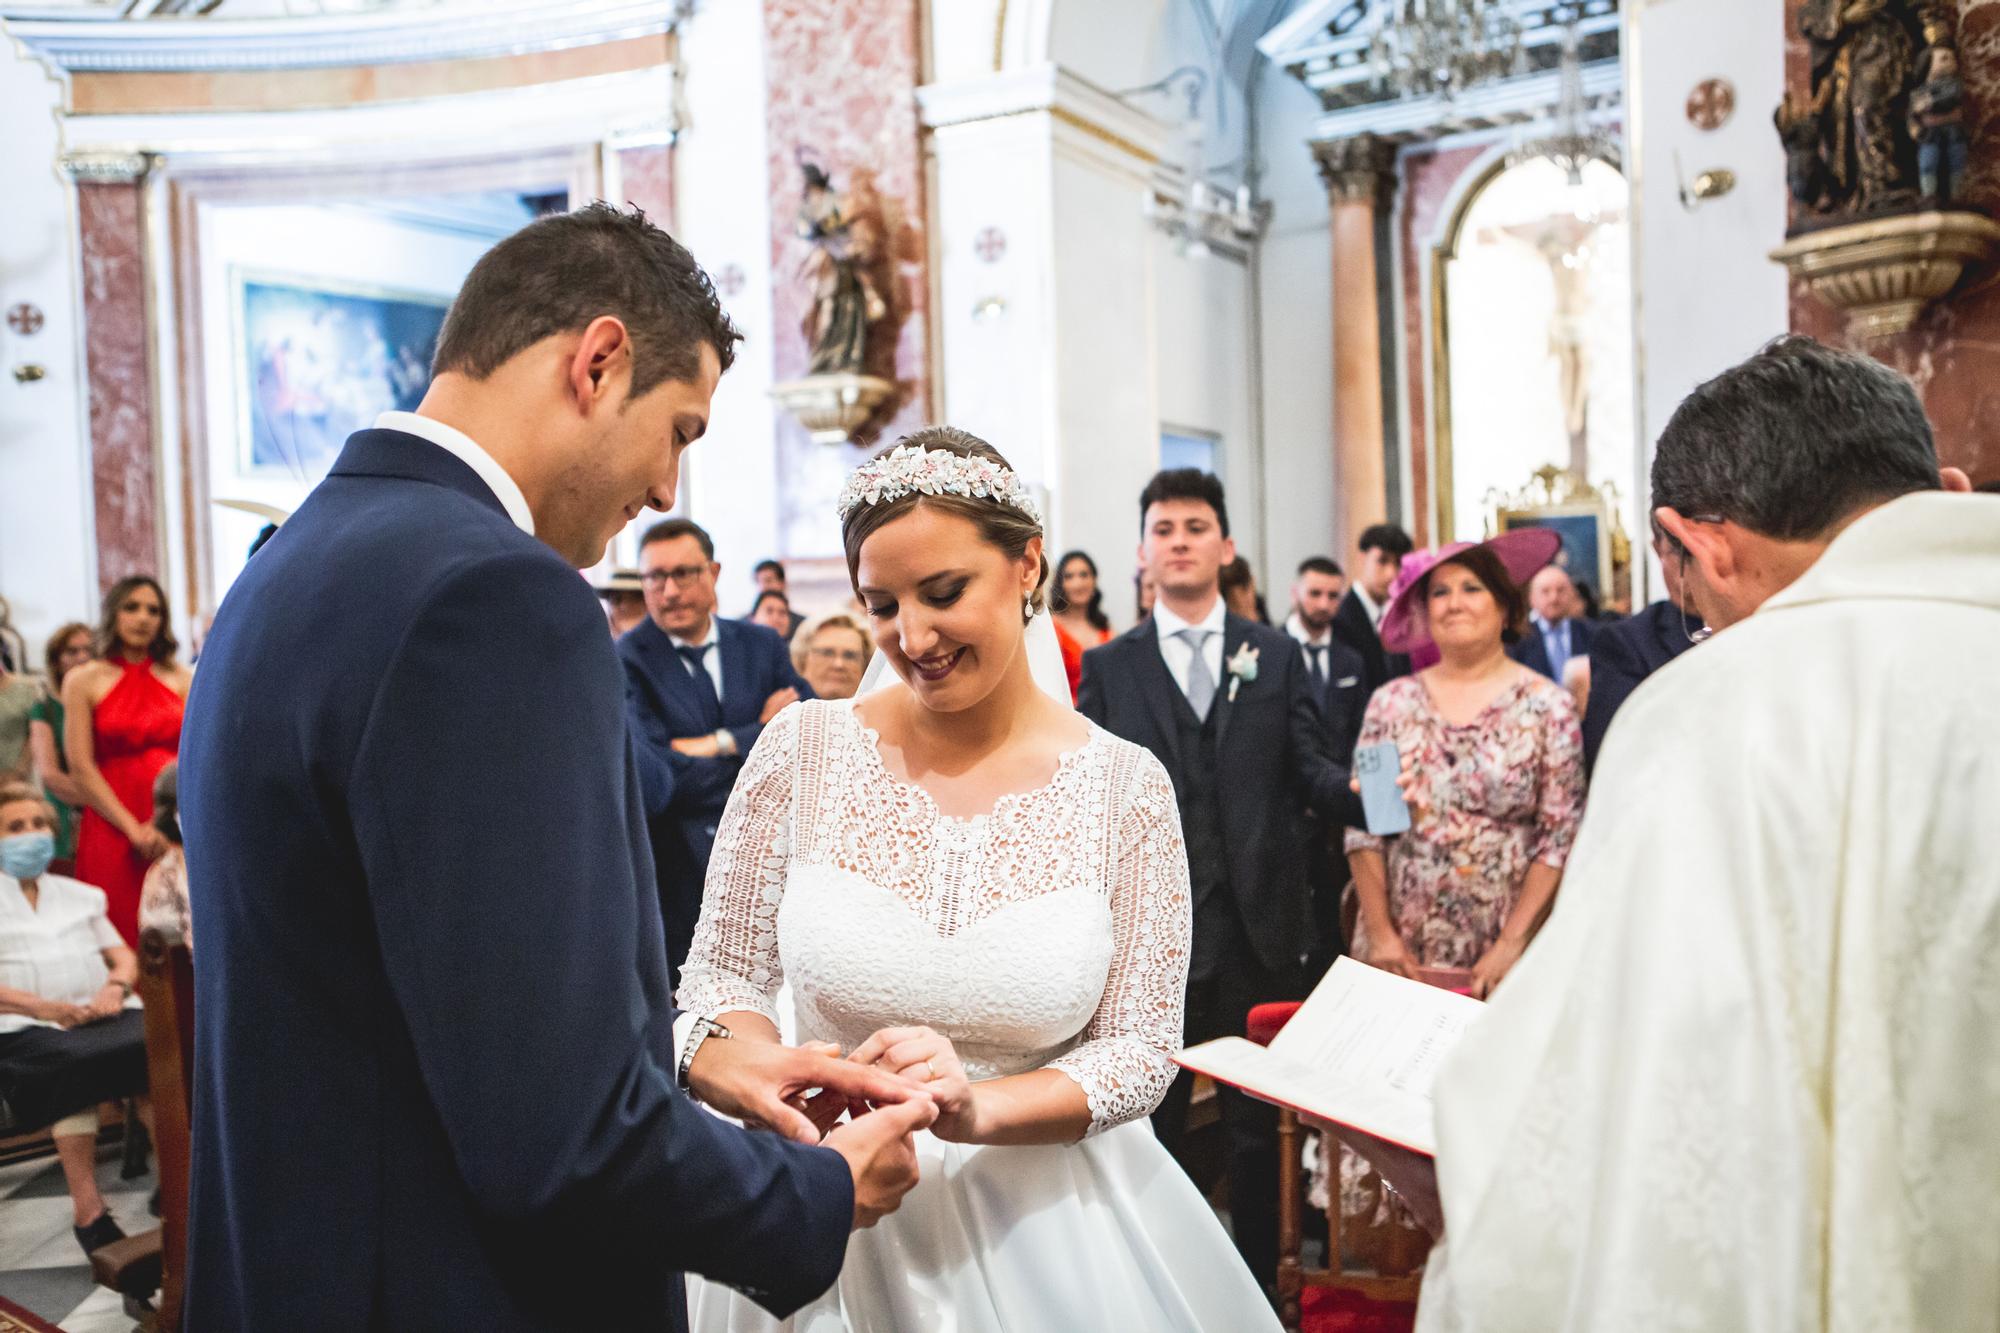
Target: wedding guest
[[1559, 629], [1493, 772], [1624, 654], [163, 900], [1145, 590], [699, 690], [1227, 705], [773, 611], [1747, 1078], [1340, 688], [1239, 592], [1383, 547], [19, 693], [624, 601], [68, 648], [770, 577], [121, 726], [1077, 604], [831, 651], [71, 1035]]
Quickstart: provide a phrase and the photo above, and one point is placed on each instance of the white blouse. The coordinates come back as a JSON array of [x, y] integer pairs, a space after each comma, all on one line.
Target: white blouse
[[55, 949]]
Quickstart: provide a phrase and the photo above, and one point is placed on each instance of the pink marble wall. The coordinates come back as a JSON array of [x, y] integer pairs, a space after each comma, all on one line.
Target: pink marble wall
[[843, 76], [1428, 178], [121, 398], [648, 179], [1953, 354]]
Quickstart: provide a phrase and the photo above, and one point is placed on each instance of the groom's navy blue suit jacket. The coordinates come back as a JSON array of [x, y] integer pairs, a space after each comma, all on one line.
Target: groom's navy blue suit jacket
[[434, 1068]]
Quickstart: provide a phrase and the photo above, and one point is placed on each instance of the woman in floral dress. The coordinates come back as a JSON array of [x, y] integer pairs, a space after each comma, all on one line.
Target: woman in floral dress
[[1492, 760]]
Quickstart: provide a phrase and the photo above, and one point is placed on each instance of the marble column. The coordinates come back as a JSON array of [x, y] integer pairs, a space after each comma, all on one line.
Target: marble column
[[124, 461], [1360, 176]]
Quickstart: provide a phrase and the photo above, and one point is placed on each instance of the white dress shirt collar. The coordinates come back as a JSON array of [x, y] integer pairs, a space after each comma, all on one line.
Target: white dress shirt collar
[[467, 451], [712, 639], [1296, 627], [1368, 605], [1171, 624]]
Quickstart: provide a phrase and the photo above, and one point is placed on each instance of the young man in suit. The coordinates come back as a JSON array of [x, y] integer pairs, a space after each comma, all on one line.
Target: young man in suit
[[1624, 653], [1558, 632], [1340, 684], [770, 577], [698, 691], [1230, 709], [1383, 547], [440, 1074]]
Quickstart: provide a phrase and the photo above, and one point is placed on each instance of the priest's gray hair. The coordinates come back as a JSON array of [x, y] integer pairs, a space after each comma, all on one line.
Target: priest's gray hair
[[1794, 441]]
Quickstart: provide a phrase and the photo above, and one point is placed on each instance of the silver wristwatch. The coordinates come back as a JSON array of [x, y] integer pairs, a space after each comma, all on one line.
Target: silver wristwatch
[[701, 1030]]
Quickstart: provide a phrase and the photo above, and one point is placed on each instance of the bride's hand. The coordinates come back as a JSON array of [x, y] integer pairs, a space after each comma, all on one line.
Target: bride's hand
[[923, 1057], [823, 1107]]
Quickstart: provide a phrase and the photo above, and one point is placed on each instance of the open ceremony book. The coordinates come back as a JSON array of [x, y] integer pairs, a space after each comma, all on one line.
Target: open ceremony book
[[1362, 1052]]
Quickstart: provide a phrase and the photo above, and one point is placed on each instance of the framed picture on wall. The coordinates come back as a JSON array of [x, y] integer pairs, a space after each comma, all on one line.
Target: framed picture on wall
[[1586, 539], [316, 360]]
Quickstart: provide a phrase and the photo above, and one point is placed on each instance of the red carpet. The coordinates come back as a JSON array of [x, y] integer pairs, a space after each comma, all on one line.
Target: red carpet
[[1324, 1311], [13, 1319]]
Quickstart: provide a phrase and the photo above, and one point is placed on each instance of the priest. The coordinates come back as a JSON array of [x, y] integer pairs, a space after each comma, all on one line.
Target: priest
[[1748, 1076]]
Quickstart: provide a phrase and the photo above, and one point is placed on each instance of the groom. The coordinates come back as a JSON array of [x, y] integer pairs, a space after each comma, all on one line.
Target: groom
[[440, 1081], [1230, 708]]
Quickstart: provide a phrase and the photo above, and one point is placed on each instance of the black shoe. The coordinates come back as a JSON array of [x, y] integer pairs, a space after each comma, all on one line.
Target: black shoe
[[99, 1233]]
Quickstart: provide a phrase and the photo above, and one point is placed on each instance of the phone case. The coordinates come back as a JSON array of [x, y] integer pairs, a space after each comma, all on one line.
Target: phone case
[[1377, 767]]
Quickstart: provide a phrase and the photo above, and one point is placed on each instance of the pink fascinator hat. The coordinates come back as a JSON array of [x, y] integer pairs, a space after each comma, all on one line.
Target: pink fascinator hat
[[1523, 551]]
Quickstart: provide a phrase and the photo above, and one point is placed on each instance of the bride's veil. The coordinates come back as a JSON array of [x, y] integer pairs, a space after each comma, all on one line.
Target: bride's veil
[[1045, 663]]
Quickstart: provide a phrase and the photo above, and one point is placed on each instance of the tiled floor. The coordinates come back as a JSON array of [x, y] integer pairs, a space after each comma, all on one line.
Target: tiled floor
[[41, 1267]]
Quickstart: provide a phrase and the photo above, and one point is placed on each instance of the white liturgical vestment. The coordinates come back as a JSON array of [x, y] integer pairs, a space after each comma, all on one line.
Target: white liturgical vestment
[[1748, 1077]]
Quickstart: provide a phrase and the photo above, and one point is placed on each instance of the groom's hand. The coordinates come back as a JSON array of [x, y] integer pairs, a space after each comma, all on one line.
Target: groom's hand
[[761, 1083], [881, 1157]]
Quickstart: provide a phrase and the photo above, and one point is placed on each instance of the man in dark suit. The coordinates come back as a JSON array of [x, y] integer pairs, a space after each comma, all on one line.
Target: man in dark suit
[[1558, 632], [698, 691], [1625, 653], [1340, 687], [1356, 624], [1229, 708], [439, 1074]]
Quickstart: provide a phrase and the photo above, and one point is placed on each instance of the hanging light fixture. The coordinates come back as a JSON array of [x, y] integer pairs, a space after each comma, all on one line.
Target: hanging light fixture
[[1573, 139], [1440, 48]]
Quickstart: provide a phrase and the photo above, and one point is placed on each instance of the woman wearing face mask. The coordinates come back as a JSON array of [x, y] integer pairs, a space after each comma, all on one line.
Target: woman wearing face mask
[[968, 884], [121, 726], [71, 1035]]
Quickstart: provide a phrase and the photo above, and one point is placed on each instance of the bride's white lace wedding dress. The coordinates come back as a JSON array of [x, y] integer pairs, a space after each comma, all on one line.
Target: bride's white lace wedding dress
[[1051, 933]]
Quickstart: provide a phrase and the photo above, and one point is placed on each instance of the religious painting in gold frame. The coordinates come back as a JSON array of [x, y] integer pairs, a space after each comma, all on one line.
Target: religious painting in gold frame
[[1595, 547]]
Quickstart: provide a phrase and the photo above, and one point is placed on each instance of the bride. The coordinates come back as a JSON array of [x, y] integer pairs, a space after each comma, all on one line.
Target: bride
[[967, 883]]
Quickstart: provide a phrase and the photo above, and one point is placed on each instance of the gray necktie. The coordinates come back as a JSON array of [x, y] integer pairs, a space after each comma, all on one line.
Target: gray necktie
[[1200, 681]]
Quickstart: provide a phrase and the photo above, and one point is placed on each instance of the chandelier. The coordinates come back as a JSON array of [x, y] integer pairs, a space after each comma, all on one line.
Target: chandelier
[[1440, 48], [1573, 139]]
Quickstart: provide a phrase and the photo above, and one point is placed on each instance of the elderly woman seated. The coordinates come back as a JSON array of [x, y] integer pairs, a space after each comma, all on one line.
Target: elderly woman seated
[[71, 1035], [831, 651], [163, 900]]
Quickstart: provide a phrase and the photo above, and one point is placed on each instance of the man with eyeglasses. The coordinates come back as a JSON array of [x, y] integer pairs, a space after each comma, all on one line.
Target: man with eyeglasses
[[1747, 1077], [698, 691]]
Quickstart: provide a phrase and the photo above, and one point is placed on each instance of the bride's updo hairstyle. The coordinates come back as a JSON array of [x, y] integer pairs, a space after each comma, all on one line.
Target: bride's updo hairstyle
[[1000, 524]]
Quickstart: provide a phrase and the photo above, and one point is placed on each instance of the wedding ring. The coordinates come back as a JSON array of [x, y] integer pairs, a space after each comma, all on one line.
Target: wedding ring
[[930, 1071]]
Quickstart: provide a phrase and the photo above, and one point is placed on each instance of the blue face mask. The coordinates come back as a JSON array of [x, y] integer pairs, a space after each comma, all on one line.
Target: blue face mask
[[27, 855]]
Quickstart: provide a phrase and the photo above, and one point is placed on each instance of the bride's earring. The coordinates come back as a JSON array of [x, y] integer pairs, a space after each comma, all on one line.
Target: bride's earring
[[1027, 609]]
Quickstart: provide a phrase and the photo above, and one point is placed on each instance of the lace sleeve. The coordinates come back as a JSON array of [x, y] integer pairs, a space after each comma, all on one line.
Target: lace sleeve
[[732, 963], [1126, 1059]]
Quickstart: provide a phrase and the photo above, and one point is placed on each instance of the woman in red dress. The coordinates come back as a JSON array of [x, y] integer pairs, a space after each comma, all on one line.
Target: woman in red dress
[[122, 725], [1078, 609]]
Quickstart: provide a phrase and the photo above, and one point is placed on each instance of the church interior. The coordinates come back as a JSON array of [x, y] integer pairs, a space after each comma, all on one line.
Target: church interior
[[1449, 265]]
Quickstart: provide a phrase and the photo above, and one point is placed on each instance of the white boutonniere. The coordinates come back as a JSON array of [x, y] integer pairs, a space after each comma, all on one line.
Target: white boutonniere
[[1242, 667]]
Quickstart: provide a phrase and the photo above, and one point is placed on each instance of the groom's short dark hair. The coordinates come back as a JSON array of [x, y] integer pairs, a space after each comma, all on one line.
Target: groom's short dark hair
[[1185, 483], [560, 272]]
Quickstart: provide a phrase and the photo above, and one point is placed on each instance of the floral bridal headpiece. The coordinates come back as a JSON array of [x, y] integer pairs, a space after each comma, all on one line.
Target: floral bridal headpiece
[[910, 470]]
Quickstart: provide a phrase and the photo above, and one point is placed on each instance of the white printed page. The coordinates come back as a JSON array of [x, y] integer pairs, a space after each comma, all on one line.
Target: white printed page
[[1362, 1051]]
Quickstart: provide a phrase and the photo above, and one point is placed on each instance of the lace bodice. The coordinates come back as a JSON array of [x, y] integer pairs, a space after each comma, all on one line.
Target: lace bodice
[[1052, 932]]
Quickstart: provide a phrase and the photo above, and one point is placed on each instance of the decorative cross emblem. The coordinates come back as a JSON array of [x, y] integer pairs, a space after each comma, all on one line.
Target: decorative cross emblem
[[25, 319], [1711, 104], [990, 245], [729, 279]]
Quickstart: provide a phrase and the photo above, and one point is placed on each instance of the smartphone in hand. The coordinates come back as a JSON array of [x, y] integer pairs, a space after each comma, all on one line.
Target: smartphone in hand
[[1382, 804]]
